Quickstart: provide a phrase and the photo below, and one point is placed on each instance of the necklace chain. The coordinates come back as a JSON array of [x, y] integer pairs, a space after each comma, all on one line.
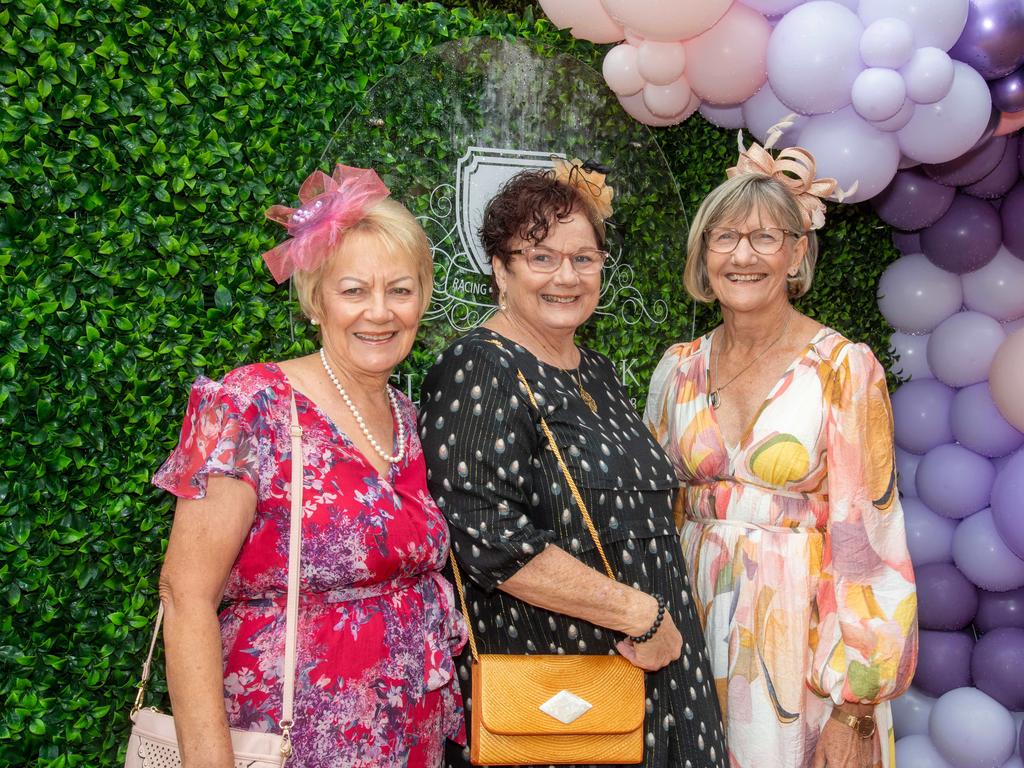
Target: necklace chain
[[715, 398], [587, 398], [359, 417]]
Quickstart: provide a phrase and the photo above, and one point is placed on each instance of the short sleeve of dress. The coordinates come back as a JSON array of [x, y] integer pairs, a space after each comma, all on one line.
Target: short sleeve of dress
[[866, 644], [215, 439], [479, 440], [661, 398]]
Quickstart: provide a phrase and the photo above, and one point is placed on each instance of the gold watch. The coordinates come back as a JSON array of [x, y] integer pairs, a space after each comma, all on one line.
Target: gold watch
[[864, 725]]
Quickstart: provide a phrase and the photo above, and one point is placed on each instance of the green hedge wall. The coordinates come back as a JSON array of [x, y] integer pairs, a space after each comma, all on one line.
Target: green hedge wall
[[141, 144]]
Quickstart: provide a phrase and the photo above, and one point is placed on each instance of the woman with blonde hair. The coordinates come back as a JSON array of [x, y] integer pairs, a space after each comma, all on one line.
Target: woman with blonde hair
[[376, 628], [780, 432]]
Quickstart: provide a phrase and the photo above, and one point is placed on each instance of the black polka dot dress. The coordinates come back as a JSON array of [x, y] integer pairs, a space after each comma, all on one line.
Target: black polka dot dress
[[505, 500]]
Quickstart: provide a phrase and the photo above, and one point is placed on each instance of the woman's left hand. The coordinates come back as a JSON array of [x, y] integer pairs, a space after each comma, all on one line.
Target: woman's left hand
[[839, 746]]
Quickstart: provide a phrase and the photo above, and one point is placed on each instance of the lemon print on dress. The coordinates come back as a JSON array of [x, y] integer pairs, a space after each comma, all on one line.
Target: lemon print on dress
[[780, 460]]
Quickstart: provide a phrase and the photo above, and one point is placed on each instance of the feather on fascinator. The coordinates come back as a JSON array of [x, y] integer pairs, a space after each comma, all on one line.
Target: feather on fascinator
[[793, 168], [328, 206], [589, 181]]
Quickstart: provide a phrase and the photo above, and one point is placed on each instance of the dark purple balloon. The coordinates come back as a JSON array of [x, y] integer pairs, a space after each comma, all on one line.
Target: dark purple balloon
[[1012, 215], [921, 411], [1002, 177], [945, 597], [973, 165], [943, 661], [997, 666], [999, 609], [906, 242], [1008, 503], [913, 200], [1008, 92], [966, 238], [990, 42]]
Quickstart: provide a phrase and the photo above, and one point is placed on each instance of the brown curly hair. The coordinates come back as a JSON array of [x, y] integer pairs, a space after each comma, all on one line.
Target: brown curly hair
[[525, 207]]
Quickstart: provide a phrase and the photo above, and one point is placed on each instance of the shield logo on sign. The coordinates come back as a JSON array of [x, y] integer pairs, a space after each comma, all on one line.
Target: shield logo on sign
[[478, 176]]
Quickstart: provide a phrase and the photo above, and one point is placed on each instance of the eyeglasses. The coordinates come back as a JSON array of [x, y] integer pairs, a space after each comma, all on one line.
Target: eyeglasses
[[540, 258], [765, 241]]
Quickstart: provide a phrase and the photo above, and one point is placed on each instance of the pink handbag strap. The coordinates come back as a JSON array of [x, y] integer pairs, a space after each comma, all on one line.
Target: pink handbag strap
[[292, 606]]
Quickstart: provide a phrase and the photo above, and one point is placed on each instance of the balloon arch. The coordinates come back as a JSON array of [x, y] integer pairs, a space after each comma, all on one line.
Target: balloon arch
[[920, 103]]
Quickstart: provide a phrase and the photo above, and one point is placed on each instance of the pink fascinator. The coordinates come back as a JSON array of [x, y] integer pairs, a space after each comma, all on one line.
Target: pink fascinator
[[794, 168], [329, 206]]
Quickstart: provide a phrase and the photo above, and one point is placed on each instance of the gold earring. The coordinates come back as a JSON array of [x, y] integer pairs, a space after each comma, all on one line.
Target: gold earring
[[501, 301]]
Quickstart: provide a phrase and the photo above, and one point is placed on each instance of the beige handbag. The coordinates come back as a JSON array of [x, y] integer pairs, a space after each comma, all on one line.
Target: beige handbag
[[153, 743], [554, 709]]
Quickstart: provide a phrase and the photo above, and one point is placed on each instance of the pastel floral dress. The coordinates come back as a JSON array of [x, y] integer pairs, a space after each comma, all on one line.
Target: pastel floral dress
[[795, 546], [377, 624]]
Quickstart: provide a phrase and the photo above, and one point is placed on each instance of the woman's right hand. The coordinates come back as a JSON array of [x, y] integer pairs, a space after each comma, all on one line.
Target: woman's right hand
[[661, 650]]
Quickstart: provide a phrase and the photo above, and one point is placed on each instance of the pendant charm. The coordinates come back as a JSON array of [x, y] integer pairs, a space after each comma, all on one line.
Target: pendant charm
[[715, 400], [589, 400]]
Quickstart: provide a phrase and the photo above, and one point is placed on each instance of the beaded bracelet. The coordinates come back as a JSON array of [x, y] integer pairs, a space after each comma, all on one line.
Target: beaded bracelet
[[657, 622]]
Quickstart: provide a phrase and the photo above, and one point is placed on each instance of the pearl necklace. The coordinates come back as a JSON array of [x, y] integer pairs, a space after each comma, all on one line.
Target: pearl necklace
[[359, 417]]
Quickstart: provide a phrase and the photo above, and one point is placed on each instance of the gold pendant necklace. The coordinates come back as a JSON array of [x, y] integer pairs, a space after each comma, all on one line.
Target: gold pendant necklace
[[715, 397], [584, 395]]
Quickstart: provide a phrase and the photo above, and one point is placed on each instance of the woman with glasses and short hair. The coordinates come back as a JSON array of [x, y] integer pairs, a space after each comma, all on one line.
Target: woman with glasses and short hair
[[534, 580], [780, 431]]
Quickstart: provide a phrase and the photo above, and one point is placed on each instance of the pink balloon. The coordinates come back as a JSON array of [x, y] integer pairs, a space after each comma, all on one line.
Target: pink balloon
[[1006, 379], [667, 101], [661, 63], [726, 64], [667, 20], [586, 18], [620, 70], [635, 108]]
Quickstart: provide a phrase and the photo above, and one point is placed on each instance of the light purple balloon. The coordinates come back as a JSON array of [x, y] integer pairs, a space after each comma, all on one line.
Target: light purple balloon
[[896, 122], [962, 347], [928, 75], [887, 43], [966, 238], [910, 714], [917, 751], [1008, 91], [814, 57], [978, 425], [949, 127], [935, 23], [997, 666], [983, 557], [991, 40], [997, 289], [913, 200], [763, 110], [973, 165], [1013, 326], [1000, 179], [1008, 503], [878, 93], [907, 242], [954, 482], [771, 7], [723, 116], [971, 729], [929, 536], [999, 609], [912, 355], [914, 295], [945, 598], [1012, 216], [943, 661], [906, 472], [840, 141], [921, 416]]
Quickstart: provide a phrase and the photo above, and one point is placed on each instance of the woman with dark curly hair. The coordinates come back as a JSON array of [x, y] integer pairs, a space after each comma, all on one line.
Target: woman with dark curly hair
[[535, 580]]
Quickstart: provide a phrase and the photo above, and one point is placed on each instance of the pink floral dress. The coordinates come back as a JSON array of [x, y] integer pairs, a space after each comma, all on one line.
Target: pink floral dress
[[377, 623]]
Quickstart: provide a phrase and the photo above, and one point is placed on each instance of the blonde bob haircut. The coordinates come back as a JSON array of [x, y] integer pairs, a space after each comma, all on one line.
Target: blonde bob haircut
[[731, 202], [393, 227]]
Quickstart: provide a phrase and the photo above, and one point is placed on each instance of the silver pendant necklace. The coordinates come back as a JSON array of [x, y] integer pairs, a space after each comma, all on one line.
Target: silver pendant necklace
[[715, 398]]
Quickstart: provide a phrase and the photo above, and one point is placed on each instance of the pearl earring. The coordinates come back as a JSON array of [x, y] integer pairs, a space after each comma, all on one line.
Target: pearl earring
[[501, 302], [314, 321]]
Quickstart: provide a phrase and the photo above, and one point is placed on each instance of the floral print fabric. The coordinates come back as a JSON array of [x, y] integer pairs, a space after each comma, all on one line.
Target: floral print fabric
[[377, 623], [795, 545]]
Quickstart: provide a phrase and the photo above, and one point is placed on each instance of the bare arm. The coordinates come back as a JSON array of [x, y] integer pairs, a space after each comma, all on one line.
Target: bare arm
[[206, 537], [556, 581]]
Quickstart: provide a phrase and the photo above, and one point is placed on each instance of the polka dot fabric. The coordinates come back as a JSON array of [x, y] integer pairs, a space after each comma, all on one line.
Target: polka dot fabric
[[505, 500]]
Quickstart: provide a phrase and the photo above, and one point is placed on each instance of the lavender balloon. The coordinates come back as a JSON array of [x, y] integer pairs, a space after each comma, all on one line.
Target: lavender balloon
[[729, 116], [966, 238], [991, 40], [999, 609], [1012, 216], [943, 661], [961, 349], [913, 200], [1008, 503], [912, 355], [1000, 179], [914, 295], [971, 729], [973, 165], [917, 751], [906, 471], [978, 425], [945, 598], [921, 416], [997, 666], [910, 713], [983, 557], [954, 482], [935, 23], [929, 536]]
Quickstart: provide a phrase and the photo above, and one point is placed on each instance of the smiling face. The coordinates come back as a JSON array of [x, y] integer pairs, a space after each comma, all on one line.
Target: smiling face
[[370, 306], [555, 302], [748, 281]]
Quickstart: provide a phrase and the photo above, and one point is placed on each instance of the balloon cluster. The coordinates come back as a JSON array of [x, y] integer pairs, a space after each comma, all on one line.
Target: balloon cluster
[[879, 84], [956, 299]]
